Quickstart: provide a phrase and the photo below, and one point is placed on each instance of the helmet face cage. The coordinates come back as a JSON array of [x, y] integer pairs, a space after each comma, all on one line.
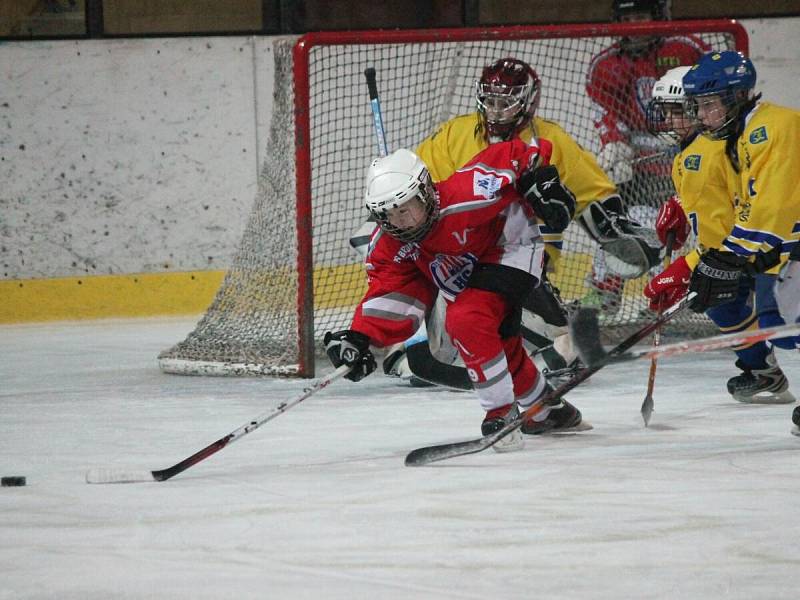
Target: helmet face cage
[[668, 121], [507, 95], [426, 195], [665, 116], [717, 88]]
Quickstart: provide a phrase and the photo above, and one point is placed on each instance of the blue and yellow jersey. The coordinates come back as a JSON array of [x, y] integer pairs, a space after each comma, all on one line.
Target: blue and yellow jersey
[[701, 174], [457, 141], [768, 208]]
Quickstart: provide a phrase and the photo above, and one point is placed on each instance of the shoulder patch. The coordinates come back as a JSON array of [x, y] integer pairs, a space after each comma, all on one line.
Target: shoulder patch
[[692, 162], [485, 185], [758, 135]]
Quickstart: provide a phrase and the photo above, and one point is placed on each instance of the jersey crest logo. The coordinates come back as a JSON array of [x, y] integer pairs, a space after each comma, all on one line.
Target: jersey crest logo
[[450, 273], [692, 162], [644, 92], [462, 237], [758, 135], [485, 185]]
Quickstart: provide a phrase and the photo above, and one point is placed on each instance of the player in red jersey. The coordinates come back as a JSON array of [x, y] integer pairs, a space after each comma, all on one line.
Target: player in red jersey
[[620, 83], [474, 239]]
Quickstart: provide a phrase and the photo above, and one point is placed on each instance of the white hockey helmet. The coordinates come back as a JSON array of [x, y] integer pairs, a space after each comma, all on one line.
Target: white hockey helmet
[[395, 180], [665, 115]]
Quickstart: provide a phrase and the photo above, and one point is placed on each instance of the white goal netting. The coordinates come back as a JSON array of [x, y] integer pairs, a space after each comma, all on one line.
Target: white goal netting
[[295, 275]]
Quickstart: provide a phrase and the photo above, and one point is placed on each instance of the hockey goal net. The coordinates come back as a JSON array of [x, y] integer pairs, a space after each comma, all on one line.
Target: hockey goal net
[[295, 275]]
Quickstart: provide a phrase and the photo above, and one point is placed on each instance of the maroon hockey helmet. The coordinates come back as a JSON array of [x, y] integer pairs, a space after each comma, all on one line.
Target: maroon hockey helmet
[[507, 95]]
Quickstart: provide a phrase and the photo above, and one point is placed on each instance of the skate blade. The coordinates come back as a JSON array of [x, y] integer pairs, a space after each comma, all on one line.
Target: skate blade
[[511, 443], [779, 398], [582, 426], [796, 431]]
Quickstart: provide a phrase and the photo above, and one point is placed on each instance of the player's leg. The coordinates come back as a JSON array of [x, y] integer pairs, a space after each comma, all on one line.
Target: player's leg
[[761, 380]]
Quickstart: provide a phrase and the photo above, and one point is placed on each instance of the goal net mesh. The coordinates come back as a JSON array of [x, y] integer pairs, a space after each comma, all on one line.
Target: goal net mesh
[[256, 323]]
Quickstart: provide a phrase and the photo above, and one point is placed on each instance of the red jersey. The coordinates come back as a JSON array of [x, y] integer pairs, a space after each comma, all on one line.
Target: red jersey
[[482, 218], [621, 86]]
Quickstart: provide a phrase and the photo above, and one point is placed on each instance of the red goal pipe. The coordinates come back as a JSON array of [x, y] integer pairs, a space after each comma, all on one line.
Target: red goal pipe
[[301, 53]]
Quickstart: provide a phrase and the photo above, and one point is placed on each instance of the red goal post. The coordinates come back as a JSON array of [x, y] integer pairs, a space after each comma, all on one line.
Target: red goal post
[[295, 276]]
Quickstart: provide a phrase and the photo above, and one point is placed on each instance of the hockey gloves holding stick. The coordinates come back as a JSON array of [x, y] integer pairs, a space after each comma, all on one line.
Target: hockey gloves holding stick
[[717, 275], [350, 348], [669, 286], [672, 218], [550, 199]]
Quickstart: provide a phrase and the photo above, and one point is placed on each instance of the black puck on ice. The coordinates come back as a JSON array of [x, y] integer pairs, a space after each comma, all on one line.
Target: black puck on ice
[[14, 481]]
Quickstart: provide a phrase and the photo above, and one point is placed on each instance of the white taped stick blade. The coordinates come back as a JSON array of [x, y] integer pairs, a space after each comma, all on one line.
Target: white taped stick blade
[[118, 476]]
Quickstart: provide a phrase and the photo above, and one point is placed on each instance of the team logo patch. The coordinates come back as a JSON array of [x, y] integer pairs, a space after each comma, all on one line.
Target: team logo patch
[[644, 92], [692, 162], [450, 273], [486, 185], [758, 135]]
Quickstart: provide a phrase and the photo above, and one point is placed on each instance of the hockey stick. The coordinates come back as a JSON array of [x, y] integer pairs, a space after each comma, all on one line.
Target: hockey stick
[[430, 454], [103, 475], [648, 404], [587, 347], [377, 116]]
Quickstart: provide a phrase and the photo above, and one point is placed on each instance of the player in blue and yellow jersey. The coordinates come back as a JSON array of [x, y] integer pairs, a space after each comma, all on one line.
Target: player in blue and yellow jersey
[[705, 205], [762, 144]]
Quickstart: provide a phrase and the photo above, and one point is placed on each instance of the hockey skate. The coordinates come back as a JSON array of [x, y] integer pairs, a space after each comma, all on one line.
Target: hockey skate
[[495, 420], [796, 421], [761, 386], [560, 417]]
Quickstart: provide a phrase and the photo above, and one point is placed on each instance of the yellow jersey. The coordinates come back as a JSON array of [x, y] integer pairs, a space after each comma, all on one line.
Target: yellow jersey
[[768, 207], [705, 190]]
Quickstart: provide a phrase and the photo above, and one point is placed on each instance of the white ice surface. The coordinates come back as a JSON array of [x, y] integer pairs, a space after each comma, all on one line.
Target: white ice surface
[[317, 503]]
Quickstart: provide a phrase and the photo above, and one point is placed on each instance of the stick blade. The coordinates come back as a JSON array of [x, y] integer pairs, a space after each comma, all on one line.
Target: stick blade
[[584, 330], [647, 409], [102, 475], [430, 454]]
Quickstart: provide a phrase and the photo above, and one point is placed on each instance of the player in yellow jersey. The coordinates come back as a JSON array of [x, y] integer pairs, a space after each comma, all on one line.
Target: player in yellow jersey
[[762, 143], [704, 204], [507, 95]]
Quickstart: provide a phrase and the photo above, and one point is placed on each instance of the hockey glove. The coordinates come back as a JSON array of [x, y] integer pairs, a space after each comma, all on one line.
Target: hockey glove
[[672, 218], [550, 199], [716, 279], [764, 261], [350, 348], [669, 286], [631, 249]]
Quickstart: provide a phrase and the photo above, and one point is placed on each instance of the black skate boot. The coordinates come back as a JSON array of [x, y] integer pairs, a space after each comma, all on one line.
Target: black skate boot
[[495, 420], [796, 420], [761, 386], [558, 417]]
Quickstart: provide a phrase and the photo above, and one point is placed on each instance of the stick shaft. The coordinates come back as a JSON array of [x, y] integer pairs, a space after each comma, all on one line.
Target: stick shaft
[[127, 475], [377, 115]]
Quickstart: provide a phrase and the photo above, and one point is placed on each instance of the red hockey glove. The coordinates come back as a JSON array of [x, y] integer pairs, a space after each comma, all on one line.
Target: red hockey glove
[[669, 286], [672, 218]]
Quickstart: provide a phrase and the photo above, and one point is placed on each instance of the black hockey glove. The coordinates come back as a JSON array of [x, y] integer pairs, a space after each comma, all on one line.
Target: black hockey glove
[[715, 279], [350, 348], [550, 199], [764, 261]]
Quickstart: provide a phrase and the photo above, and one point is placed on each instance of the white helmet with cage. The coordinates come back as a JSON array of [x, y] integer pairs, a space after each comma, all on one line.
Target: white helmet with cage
[[400, 195], [665, 114]]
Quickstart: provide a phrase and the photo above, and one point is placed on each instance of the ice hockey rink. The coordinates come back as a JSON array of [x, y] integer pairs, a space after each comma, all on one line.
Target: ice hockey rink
[[317, 503]]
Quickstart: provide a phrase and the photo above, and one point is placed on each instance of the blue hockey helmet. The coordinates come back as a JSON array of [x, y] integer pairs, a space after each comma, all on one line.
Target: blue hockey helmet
[[729, 76]]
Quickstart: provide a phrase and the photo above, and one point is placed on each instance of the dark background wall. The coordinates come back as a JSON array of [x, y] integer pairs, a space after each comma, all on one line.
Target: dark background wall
[[98, 18]]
